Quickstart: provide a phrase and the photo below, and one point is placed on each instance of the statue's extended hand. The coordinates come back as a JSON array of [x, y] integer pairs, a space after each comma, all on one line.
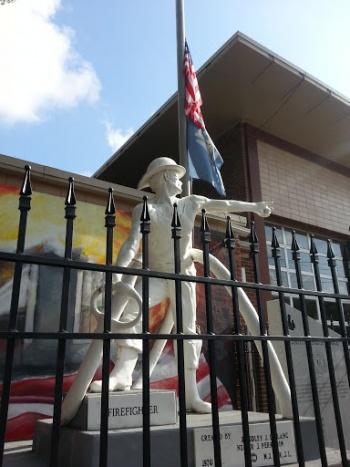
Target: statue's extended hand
[[264, 208]]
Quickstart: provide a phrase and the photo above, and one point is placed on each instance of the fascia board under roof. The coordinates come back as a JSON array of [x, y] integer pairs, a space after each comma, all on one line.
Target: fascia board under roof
[[240, 38], [281, 62]]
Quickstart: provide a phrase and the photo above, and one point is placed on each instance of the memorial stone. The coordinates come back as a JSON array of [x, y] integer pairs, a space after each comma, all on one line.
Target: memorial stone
[[232, 448], [302, 375]]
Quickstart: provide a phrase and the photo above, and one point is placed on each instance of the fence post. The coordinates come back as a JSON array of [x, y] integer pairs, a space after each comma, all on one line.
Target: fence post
[[206, 238], [24, 207], [254, 248], [309, 351], [145, 229], [61, 349], [109, 224], [315, 261], [176, 235], [332, 266], [230, 244], [276, 253]]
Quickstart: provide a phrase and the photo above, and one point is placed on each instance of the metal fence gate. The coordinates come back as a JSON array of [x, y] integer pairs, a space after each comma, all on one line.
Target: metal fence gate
[[243, 341]]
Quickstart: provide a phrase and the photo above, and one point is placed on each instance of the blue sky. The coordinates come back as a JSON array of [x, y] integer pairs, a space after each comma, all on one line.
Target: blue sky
[[78, 77]]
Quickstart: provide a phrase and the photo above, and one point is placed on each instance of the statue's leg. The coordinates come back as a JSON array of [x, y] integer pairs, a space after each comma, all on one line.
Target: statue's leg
[[120, 378], [192, 348]]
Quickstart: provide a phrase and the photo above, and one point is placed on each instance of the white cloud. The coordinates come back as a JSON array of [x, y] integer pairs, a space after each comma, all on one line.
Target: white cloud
[[86, 173], [117, 137], [40, 70]]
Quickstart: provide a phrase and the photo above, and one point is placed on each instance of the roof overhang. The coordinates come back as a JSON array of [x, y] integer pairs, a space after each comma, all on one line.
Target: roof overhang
[[245, 83]]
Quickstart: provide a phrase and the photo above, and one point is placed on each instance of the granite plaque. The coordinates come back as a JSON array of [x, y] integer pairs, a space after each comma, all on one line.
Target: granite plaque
[[302, 375], [232, 448]]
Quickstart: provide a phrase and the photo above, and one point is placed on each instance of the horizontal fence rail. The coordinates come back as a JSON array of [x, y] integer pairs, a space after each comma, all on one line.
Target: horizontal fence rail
[[252, 387]]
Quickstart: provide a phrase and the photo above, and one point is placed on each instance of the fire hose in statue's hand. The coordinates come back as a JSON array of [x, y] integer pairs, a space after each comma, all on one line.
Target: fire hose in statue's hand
[[126, 291], [122, 291]]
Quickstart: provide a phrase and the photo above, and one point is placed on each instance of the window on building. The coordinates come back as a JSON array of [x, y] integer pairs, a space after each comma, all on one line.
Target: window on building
[[284, 236]]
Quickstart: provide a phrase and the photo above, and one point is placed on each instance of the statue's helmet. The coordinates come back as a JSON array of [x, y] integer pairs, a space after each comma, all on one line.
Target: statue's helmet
[[161, 164]]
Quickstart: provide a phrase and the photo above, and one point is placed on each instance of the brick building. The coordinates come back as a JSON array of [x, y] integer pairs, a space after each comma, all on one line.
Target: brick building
[[284, 136]]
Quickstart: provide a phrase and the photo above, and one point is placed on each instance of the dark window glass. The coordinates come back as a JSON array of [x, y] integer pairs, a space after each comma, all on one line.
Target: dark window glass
[[327, 285], [346, 308], [302, 241], [323, 265], [340, 268], [288, 237], [336, 249], [311, 306], [332, 312], [321, 245], [308, 281], [343, 288]]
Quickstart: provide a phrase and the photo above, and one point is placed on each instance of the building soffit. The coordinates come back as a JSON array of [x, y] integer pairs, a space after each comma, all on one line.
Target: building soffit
[[245, 83]]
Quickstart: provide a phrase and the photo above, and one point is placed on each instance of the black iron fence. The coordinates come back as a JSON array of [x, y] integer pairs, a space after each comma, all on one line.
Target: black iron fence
[[243, 343]]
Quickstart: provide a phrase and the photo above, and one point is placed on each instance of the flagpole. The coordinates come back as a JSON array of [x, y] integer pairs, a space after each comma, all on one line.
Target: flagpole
[[180, 41]]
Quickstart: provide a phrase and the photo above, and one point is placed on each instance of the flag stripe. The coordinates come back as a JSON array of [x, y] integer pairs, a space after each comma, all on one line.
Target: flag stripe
[[204, 160]]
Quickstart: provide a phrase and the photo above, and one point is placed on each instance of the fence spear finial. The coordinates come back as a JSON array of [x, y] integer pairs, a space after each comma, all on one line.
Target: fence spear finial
[[229, 236], [295, 247], [175, 223], [313, 250], [176, 219], [70, 199], [254, 242], [26, 189], [205, 227], [330, 254], [276, 250], [145, 217], [110, 209]]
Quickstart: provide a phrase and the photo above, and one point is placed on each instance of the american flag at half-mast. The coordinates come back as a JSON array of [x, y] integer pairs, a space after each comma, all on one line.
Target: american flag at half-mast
[[204, 160]]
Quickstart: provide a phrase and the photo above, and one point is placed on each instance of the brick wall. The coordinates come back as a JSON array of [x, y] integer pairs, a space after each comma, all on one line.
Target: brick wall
[[304, 191], [234, 171]]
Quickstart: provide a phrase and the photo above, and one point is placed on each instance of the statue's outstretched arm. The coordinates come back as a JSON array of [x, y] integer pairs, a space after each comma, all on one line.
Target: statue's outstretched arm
[[262, 208]]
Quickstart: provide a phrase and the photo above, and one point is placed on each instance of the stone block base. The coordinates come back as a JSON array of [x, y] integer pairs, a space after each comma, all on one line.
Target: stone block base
[[81, 448]]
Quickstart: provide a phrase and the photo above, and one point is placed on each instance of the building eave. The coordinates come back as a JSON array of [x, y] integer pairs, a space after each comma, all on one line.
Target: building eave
[[244, 82]]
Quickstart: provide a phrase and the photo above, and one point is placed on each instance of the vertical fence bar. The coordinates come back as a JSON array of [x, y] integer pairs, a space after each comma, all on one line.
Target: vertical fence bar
[[109, 224], [254, 247], [309, 352], [332, 266], [276, 254], [230, 244], [61, 347], [315, 261], [176, 235], [206, 238], [145, 230], [24, 206]]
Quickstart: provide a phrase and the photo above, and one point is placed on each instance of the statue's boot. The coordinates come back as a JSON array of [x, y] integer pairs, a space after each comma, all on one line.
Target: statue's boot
[[193, 401], [120, 378]]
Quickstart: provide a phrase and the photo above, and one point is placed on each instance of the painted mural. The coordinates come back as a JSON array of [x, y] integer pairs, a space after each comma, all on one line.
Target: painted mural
[[33, 383]]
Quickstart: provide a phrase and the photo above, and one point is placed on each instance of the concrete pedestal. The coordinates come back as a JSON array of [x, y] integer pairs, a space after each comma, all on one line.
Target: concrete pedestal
[[81, 447], [125, 410]]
